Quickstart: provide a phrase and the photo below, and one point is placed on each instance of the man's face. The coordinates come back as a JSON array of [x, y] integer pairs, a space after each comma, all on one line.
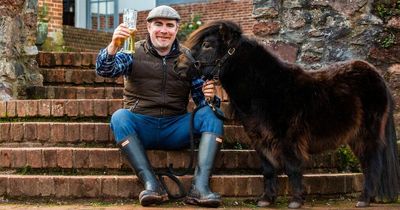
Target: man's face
[[162, 33]]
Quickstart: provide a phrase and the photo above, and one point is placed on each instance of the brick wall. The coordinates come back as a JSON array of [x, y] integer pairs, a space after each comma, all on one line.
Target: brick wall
[[55, 14], [80, 39], [239, 11]]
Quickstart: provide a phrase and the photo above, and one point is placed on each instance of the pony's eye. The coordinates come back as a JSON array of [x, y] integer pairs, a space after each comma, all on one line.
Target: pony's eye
[[205, 45]]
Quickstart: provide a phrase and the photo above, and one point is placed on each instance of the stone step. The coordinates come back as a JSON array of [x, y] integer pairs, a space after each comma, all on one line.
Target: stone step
[[113, 187], [76, 76], [52, 108], [67, 59], [112, 159], [74, 92], [78, 133]]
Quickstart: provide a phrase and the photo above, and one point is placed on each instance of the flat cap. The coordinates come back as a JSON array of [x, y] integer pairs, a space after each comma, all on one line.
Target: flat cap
[[163, 12]]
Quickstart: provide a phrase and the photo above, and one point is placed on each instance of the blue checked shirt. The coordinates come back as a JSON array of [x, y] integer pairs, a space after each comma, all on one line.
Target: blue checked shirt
[[121, 64]]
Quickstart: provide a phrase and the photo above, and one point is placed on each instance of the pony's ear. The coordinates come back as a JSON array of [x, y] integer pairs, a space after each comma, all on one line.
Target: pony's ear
[[226, 33]]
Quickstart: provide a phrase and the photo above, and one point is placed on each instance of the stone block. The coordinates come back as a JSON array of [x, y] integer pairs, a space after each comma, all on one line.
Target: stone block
[[34, 157]]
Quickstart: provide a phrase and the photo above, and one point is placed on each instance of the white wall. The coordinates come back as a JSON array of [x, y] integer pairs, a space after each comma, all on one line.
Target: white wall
[[80, 14], [139, 5]]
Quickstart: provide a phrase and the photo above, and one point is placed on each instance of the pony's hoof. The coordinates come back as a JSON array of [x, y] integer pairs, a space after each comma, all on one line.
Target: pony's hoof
[[263, 203], [294, 205], [362, 204]]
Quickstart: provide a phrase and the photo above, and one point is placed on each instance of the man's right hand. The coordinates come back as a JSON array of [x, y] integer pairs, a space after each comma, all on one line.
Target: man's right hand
[[120, 34]]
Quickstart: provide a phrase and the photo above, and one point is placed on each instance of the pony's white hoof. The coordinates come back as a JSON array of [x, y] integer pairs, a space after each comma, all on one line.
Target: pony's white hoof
[[262, 203], [294, 205], [362, 204]]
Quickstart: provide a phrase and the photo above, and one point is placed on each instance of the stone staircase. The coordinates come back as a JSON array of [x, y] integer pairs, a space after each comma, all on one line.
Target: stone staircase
[[58, 144]]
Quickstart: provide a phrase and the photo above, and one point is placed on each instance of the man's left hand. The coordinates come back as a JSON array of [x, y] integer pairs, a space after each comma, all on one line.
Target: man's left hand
[[209, 90]]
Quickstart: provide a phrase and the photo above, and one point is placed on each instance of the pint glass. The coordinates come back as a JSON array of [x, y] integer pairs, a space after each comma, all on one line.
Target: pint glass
[[130, 19]]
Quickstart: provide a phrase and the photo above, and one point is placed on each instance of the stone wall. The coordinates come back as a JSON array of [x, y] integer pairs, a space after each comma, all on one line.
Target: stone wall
[[18, 67], [317, 32]]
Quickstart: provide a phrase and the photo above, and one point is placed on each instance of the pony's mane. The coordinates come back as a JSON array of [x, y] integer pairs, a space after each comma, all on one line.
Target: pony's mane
[[211, 28]]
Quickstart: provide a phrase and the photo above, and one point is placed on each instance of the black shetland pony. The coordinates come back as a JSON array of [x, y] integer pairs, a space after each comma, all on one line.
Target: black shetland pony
[[290, 113]]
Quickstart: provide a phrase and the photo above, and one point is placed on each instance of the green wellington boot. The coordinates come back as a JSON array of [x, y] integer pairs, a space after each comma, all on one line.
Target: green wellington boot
[[200, 193], [153, 192]]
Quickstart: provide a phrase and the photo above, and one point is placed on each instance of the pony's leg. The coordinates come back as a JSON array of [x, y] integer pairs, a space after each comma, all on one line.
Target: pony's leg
[[270, 182], [371, 164], [294, 172]]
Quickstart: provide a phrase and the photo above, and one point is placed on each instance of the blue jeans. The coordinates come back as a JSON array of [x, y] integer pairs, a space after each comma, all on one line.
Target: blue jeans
[[167, 133]]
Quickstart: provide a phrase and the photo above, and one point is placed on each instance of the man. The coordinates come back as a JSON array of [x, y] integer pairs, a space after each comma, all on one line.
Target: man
[[155, 100]]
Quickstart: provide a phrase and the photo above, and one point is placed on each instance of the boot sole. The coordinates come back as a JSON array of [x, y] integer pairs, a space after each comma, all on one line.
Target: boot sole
[[204, 203], [152, 199]]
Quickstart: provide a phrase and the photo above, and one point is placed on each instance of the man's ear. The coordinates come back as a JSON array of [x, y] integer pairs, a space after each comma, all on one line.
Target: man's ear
[[148, 26]]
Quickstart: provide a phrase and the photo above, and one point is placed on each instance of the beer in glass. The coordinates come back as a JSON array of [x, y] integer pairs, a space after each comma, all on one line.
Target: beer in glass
[[130, 19]]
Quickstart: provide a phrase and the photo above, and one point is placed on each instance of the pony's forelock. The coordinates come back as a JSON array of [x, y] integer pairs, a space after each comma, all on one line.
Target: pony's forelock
[[210, 28]]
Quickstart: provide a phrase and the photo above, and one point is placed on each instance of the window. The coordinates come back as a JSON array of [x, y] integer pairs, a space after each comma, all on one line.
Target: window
[[103, 14]]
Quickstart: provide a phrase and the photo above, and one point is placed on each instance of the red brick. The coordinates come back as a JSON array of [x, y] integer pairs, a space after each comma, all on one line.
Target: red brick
[[76, 59], [81, 158], [68, 76], [97, 158], [43, 130], [22, 106], [11, 109], [57, 58], [76, 187], [3, 109], [57, 108], [30, 131], [49, 158], [57, 133], [60, 92], [99, 79], [44, 108], [4, 185], [51, 92], [46, 59], [94, 93], [5, 158], [80, 92], [67, 59], [126, 187], [64, 158], [87, 131], [109, 187], [91, 187], [86, 108], [112, 159], [114, 105], [18, 158], [72, 132], [15, 186], [159, 158], [30, 186], [101, 133], [88, 76], [72, 108], [17, 132], [77, 77], [47, 187], [100, 108], [86, 59], [55, 75], [70, 93], [33, 108], [5, 131], [34, 158], [61, 184]]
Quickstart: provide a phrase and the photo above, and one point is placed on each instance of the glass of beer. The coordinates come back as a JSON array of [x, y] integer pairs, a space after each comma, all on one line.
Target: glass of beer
[[130, 19]]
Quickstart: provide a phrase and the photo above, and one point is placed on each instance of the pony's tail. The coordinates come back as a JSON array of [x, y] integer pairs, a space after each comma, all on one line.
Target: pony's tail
[[389, 186]]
